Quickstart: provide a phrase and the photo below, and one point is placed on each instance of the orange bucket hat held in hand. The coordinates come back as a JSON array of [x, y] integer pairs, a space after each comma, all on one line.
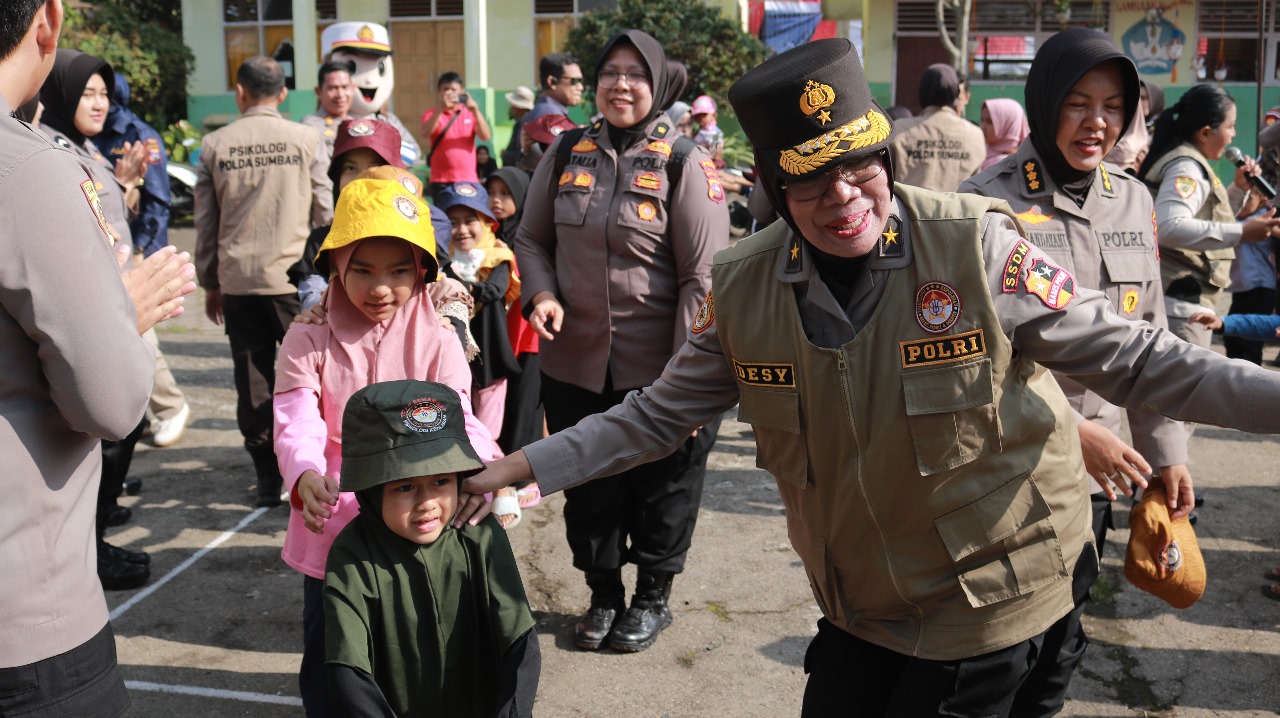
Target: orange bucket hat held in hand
[[1163, 557]]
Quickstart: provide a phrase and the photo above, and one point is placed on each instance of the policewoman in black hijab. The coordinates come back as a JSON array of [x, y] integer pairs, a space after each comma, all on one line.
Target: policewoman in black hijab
[[615, 249], [1096, 222]]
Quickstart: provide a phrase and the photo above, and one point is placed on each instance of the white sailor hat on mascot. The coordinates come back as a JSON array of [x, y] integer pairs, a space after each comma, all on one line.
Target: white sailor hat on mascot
[[368, 45]]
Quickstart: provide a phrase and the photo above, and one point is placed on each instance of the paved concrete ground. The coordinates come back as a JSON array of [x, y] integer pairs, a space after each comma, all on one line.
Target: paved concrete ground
[[217, 632]]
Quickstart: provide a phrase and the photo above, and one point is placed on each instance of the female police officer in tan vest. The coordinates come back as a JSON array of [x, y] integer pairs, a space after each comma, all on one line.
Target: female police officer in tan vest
[[1096, 222], [889, 347]]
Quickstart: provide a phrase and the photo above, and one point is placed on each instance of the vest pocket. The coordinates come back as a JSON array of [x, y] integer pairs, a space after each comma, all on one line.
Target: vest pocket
[[571, 202], [952, 415], [643, 204], [1130, 267], [774, 417], [1003, 545]]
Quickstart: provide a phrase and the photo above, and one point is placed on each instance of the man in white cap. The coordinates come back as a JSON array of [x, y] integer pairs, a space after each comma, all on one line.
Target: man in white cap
[[519, 101], [368, 45]]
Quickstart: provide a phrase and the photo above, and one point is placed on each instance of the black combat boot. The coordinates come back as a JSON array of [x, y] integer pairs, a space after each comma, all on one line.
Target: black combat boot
[[606, 606], [269, 479], [648, 614]]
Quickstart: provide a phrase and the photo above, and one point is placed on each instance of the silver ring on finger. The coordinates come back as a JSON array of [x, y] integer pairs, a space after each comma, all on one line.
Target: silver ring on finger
[[1113, 476]]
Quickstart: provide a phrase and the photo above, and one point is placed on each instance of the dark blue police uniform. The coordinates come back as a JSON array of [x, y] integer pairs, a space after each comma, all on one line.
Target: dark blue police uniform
[[151, 227]]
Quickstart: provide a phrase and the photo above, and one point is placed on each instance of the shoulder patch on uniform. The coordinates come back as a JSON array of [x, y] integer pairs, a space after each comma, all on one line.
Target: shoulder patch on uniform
[[1013, 267], [95, 204], [1031, 175], [1106, 178], [937, 307], [706, 315], [661, 130], [1130, 301], [585, 144], [1052, 284], [1185, 186], [793, 255], [755, 374], [942, 350], [715, 192], [890, 242], [662, 147]]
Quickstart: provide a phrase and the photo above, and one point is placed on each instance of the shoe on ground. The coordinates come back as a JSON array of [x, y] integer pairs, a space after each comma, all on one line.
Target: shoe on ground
[[118, 575], [596, 624], [640, 626], [133, 487], [167, 432], [119, 516], [115, 553]]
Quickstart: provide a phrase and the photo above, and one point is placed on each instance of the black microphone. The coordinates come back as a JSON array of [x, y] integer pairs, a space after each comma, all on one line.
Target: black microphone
[[1262, 185]]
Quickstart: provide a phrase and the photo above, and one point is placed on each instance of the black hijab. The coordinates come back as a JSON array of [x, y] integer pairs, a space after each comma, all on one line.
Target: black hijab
[[516, 180], [1060, 63], [668, 80], [939, 86], [64, 86]]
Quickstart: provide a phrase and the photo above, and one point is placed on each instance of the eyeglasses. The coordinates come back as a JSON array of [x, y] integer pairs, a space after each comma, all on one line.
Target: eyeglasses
[[576, 81], [851, 174], [609, 78]]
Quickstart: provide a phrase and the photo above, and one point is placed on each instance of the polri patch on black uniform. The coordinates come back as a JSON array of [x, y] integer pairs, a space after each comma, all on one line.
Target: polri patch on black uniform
[[890, 242], [756, 374], [942, 350]]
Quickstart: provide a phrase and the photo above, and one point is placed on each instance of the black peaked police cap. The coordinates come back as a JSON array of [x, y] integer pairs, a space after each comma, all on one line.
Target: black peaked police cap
[[400, 429], [810, 109]]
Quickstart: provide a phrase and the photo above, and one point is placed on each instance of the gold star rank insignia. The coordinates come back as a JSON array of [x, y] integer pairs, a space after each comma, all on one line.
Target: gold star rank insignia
[[824, 117], [795, 252], [891, 237], [793, 256], [889, 244]]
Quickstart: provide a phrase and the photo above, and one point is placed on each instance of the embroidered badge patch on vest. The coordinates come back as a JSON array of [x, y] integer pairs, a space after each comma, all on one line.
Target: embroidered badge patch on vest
[[648, 180], [1054, 285], [582, 180], [586, 144], [1130, 301], [937, 307], [1033, 216], [1184, 186], [780, 375], [714, 191], [95, 204], [1013, 267], [942, 350], [566, 178], [706, 315], [662, 147], [646, 211]]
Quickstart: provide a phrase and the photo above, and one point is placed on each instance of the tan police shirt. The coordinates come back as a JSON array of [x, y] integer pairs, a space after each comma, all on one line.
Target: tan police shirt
[[628, 264], [262, 184], [1108, 244], [937, 149]]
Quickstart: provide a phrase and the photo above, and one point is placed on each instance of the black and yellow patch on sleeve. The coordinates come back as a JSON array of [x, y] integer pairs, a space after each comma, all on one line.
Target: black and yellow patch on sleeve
[[775, 375], [706, 315], [1013, 267], [942, 350], [793, 255]]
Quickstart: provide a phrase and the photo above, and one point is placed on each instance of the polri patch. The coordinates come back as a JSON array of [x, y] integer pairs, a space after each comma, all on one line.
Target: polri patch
[[706, 315], [942, 350], [1054, 285], [586, 144], [648, 180], [937, 307], [1185, 186], [1013, 267], [715, 192], [95, 204], [777, 375]]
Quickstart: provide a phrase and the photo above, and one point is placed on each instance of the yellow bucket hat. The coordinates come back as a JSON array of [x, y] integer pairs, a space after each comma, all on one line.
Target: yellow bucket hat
[[382, 208]]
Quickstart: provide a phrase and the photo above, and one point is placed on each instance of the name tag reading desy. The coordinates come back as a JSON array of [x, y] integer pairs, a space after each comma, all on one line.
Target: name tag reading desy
[[782, 375]]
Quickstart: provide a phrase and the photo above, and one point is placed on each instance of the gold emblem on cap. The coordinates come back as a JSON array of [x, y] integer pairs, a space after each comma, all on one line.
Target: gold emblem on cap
[[366, 33], [815, 97], [865, 131]]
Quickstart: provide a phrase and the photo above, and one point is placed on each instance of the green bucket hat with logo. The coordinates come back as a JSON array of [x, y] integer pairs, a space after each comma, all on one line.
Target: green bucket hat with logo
[[400, 429]]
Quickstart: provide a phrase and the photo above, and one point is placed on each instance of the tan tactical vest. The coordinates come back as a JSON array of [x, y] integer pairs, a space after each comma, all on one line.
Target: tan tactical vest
[[933, 482], [1211, 268]]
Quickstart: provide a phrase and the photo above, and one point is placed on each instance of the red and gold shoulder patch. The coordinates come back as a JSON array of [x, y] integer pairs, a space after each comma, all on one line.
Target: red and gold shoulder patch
[[1033, 216], [706, 315], [662, 147], [648, 180], [1013, 267], [1185, 187], [715, 192], [586, 144], [1131, 301], [937, 307], [1052, 284], [95, 204]]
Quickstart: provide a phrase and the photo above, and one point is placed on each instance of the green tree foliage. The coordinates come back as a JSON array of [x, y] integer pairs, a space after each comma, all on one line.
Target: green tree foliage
[[715, 50], [142, 39]]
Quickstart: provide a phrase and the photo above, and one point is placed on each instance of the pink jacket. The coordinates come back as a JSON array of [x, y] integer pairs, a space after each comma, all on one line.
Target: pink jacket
[[306, 439]]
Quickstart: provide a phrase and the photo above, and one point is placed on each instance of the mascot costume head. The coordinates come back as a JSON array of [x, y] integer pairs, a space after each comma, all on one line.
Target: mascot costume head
[[369, 47]]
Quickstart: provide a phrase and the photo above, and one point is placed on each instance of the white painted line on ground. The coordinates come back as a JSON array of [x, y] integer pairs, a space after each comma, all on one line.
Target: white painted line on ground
[[213, 693], [133, 601]]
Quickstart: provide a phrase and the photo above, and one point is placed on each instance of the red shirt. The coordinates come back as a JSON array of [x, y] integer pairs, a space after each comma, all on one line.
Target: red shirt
[[454, 158]]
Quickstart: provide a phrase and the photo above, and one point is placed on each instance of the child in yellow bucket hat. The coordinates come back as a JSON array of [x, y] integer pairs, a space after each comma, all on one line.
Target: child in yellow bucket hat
[[380, 326]]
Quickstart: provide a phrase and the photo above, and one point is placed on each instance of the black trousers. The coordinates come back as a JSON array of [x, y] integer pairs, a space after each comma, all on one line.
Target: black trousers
[[116, 458], [851, 677], [312, 681], [255, 328], [1254, 301], [522, 417], [84, 681], [643, 516]]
